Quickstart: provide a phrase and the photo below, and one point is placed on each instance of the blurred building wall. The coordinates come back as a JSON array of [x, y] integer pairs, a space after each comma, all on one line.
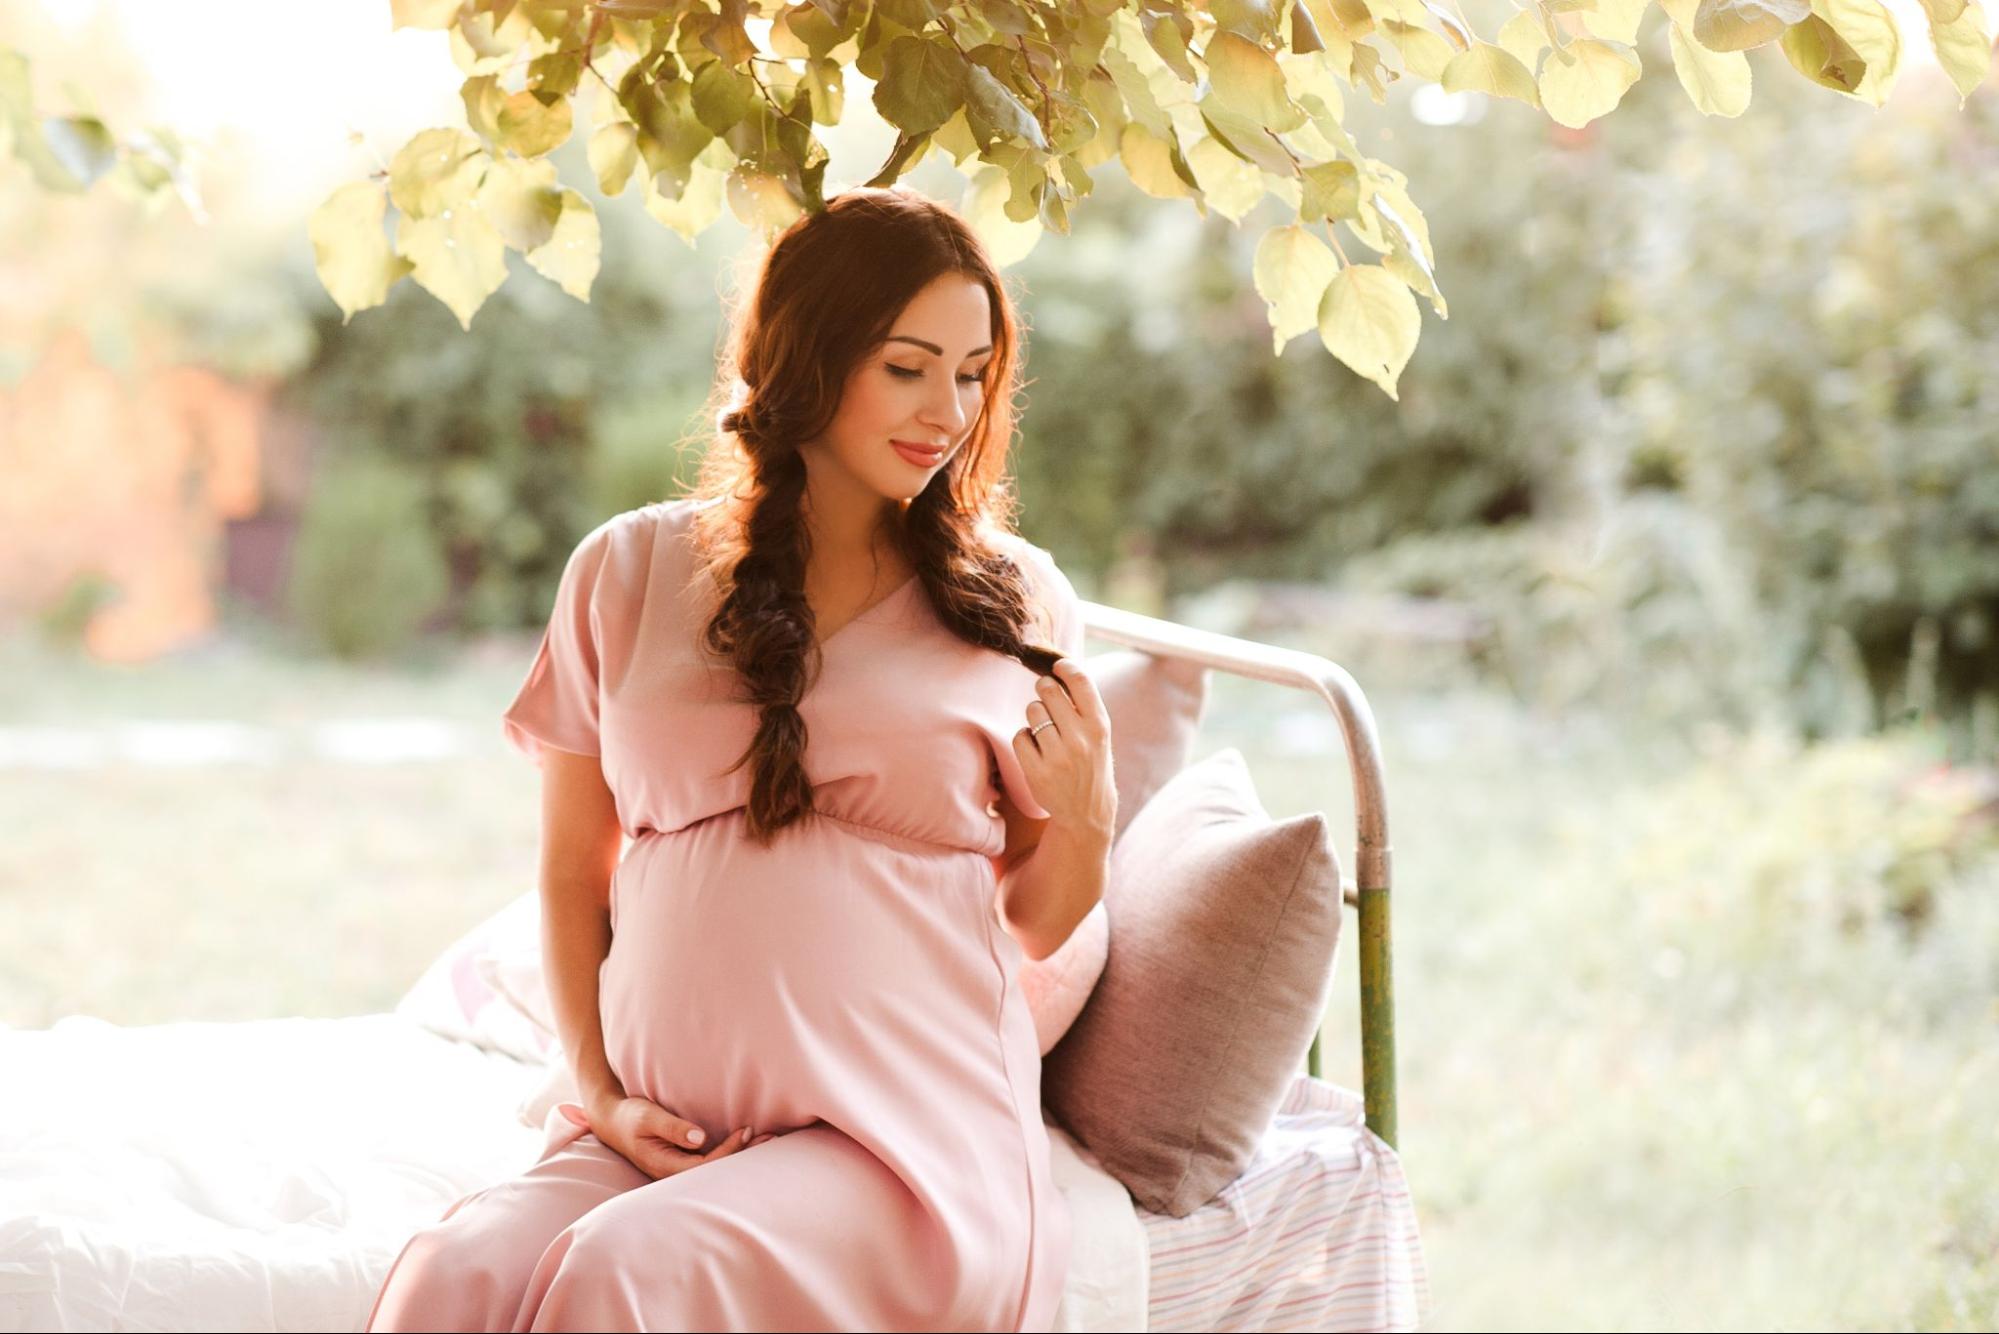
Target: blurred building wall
[[133, 476]]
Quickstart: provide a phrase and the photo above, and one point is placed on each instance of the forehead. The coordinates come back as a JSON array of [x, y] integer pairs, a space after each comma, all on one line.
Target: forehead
[[951, 315]]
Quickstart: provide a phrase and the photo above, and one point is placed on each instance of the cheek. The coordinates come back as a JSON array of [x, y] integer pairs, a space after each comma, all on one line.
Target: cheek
[[871, 405]]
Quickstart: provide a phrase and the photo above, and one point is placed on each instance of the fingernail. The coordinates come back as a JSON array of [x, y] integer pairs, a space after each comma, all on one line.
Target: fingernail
[[748, 1131], [695, 1136]]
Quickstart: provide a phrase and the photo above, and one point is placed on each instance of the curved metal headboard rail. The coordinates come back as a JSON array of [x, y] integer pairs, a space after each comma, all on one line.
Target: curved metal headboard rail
[[1367, 889]]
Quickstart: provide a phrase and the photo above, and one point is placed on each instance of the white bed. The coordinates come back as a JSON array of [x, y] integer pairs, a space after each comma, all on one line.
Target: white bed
[[263, 1176]]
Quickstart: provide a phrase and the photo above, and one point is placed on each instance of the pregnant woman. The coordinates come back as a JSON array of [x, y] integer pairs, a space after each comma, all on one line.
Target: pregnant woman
[[833, 701]]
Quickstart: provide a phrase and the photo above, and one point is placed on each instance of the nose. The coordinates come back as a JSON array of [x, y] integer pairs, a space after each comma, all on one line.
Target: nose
[[944, 410]]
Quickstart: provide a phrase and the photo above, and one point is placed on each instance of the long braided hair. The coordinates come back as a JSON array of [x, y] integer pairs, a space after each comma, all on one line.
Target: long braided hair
[[824, 295]]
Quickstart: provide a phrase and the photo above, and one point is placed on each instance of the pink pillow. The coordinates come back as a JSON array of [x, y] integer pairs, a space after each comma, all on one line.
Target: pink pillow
[[1224, 925], [1058, 986], [455, 996]]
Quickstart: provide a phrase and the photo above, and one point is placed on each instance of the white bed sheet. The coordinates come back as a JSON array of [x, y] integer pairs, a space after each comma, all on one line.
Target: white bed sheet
[[264, 1175]]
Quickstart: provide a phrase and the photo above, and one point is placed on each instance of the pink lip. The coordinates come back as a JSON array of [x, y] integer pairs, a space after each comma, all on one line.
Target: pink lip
[[922, 458]]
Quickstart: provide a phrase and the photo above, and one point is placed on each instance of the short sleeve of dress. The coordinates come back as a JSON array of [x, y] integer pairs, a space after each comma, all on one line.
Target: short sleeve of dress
[[557, 703], [1060, 609]]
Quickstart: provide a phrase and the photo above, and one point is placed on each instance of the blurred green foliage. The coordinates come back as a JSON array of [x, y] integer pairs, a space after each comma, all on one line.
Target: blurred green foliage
[[1707, 433], [366, 571], [525, 432], [1766, 846]]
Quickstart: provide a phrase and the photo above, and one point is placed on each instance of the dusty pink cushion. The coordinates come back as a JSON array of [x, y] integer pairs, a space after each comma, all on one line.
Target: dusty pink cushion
[[1155, 707], [1223, 924]]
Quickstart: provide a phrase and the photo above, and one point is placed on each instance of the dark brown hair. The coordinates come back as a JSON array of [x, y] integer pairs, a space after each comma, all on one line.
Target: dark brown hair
[[824, 296]]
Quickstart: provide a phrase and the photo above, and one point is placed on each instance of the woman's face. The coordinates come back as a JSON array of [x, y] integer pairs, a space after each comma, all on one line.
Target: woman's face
[[922, 387]]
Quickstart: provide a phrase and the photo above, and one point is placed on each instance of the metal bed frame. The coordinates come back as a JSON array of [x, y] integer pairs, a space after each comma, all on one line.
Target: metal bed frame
[[1366, 891]]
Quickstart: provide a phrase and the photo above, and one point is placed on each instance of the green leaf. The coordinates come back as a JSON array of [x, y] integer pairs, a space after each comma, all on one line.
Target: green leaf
[[521, 200], [816, 33], [1169, 35], [700, 201], [992, 110], [670, 137], [1369, 320], [1524, 38], [983, 207], [1589, 84], [434, 171], [1231, 186], [1616, 20], [456, 256], [909, 150], [1370, 71], [1247, 140], [1148, 162], [571, 255], [1491, 70], [954, 136], [922, 83], [1253, 19], [727, 37], [1291, 270], [614, 155], [721, 96], [82, 145], [1737, 25], [823, 84], [532, 129], [1424, 52], [1716, 81], [350, 251], [1248, 82], [483, 44], [1869, 31], [482, 98], [1407, 231], [554, 75], [760, 200], [1332, 192], [1962, 48], [1817, 51]]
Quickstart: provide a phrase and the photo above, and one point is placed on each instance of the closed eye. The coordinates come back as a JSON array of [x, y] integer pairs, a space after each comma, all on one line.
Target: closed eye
[[906, 373]]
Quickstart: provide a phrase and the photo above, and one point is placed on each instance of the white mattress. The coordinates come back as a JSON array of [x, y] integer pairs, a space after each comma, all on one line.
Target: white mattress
[[264, 1175]]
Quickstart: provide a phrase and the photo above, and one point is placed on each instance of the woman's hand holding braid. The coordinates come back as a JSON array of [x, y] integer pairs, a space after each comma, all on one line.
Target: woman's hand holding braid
[[1065, 750]]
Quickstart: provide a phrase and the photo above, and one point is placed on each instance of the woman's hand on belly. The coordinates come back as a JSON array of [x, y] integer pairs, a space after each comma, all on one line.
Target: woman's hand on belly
[[656, 1141]]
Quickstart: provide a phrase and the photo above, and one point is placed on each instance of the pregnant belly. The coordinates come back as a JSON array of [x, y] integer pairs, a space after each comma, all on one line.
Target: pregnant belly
[[761, 986]]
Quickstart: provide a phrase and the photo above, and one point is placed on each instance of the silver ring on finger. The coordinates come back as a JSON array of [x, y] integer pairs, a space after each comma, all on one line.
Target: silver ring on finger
[[1036, 731]]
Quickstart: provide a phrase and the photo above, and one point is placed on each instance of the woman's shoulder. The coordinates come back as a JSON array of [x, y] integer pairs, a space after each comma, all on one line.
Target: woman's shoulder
[[1036, 561], [644, 522]]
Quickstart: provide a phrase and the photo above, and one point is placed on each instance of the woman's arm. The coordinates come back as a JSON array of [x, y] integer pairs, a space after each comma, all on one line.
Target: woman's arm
[[579, 852]]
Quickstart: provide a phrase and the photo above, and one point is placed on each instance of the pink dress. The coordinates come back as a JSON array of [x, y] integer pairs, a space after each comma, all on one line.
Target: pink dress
[[851, 987]]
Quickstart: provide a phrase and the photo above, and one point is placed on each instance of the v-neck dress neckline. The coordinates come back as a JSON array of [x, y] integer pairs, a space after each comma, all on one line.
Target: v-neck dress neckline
[[870, 610]]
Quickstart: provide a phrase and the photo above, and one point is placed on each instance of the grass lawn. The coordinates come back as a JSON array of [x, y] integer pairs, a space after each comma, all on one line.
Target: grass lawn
[[1624, 1103]]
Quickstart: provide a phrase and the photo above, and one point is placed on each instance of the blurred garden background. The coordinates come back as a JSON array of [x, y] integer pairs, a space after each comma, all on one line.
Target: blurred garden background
[[1672, 578]]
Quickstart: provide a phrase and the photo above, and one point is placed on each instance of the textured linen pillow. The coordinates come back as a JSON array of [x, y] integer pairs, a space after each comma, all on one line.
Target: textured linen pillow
[[1155, 707], [1223, 925]]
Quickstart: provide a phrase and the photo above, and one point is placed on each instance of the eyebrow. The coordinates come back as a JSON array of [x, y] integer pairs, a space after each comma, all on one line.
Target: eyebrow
[[932, 348]]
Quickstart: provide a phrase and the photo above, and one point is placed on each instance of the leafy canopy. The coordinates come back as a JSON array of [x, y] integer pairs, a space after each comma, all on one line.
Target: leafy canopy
[[1221, 102]]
